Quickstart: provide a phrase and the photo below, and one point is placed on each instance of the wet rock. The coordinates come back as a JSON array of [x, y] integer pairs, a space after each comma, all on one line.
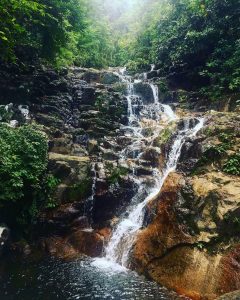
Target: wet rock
[[88, 96], [120, 87], [145, 91], [111, 144], [109, 78], [190, 155], [60, 221], [61, 169], [93, 146], [62, 145], [59, 85], [81, 137], [77, 243], [109, 155], [87, 242], [175, 248], [101, 186], [152, 74], [91, 76], [111, 202], [143, 171], [74, 175], [152, 155], [58, 247], [105, 232], [49, 121], [77, 150], [21, 248], [81, 222], [187, 123]]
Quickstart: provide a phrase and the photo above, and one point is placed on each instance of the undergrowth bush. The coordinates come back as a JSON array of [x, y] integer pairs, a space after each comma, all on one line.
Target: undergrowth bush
[[24, 184], [232, 166]]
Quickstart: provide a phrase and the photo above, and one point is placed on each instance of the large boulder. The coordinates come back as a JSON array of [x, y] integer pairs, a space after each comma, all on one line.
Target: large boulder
[[87, 242], [192, 238], [78, 243], [88, 96], [102, 77], [74, 173], [91, 75], [145, 91], [109, 78], [111, 199], [153, 74]]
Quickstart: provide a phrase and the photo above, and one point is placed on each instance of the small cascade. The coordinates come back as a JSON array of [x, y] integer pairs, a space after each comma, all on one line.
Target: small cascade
[[125, 234], [144, 75], [24, 109], [142, 117], [89, 203], [165, 108]]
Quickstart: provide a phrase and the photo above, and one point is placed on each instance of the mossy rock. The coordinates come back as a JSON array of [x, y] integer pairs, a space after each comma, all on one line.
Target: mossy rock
[[109, 78], [120, 88]]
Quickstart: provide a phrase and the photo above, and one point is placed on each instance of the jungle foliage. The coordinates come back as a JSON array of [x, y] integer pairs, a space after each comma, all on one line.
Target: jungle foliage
[[199, 38], [56, 31], [24, 183]]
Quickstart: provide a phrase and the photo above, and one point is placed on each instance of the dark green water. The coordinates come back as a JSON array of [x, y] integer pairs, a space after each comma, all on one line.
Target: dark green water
[[51, 279]]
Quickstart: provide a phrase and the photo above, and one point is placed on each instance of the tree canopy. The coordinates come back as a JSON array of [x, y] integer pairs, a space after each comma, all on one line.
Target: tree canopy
[[201, 37], [57, 31]]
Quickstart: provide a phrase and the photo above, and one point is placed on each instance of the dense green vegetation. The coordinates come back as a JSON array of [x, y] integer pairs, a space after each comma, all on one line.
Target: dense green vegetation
[[199, 39], [24, 183], [56, 31]]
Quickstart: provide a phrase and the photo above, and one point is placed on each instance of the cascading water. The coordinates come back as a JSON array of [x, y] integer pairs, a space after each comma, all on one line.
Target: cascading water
[[152, 67], [125, 234], [165, 108], [88, 208], [118, 249]]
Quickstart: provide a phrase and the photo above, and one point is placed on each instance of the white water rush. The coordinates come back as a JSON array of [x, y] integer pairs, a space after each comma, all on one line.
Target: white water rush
[[152, 116]]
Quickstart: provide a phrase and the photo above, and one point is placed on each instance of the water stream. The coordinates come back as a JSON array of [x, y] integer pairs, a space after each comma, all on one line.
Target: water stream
[[89, 203], [117, 252]]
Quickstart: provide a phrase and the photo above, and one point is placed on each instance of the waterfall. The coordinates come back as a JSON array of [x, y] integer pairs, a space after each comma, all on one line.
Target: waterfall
[[125, 234], [152, 67], [123, 237], [89, 203], [166, 108], [24, 109]]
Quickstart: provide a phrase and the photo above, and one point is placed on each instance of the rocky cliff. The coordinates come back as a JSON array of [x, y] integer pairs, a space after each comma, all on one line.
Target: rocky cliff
[[191, 243], [82, 112], [190, 240]]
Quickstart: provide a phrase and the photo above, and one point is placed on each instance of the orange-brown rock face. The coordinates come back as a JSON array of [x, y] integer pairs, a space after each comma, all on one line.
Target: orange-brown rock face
[[163, 232], [192, 241], [179, 250]]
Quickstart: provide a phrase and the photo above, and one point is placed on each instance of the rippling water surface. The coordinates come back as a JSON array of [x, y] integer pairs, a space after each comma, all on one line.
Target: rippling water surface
[[79, 279]]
